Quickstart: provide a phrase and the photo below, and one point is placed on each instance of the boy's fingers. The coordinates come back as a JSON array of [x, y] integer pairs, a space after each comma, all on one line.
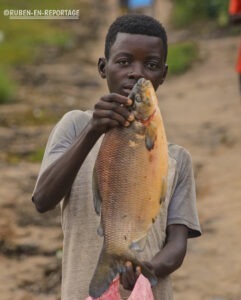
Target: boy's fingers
[[128, 278], [129, 102], [117, 98], [138, 271], [113, 110]]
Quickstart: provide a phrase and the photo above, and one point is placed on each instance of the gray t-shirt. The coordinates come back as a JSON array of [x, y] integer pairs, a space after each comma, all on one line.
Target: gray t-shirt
[[81, 244]]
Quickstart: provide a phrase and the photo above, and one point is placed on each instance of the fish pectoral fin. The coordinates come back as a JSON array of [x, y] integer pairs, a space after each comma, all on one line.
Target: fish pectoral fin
[[100, 230], [138, 245], [106, 270], [150, 136], [96, 194]]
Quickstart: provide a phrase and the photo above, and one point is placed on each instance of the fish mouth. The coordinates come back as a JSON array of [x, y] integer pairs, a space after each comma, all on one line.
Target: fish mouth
[[131, 87]]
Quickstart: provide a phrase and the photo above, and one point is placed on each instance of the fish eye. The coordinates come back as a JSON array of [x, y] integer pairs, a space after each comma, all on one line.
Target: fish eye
[[138, 98]]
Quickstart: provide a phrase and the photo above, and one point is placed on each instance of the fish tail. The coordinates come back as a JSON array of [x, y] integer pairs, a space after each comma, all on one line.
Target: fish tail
[[105, 272], [108, 267]]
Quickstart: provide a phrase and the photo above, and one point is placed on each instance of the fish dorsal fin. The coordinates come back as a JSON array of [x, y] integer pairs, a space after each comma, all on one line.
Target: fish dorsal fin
[[150, 136], [100, 230], [138, 245]]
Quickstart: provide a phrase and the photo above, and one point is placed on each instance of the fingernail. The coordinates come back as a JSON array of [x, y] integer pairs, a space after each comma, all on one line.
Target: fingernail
[[131, 118], [129, 101], [128, 264], [127, 124]]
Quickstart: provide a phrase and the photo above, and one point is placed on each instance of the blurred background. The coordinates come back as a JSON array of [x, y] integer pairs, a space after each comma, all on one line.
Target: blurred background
[[48, 67]]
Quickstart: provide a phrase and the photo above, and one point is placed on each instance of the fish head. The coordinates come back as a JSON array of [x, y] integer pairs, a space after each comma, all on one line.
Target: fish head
[[144, 100]]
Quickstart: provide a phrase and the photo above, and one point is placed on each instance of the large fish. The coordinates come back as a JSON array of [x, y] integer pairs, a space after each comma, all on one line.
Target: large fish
[[129, 185]]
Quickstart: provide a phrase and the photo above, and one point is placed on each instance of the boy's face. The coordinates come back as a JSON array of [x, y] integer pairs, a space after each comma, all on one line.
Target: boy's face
[[133, 56]]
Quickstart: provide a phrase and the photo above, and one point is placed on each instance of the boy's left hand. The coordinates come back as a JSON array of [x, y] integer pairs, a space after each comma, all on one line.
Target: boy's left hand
[[129, 277]]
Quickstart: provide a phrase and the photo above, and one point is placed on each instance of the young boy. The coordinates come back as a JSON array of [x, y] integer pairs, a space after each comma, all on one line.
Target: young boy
[[136, 46]]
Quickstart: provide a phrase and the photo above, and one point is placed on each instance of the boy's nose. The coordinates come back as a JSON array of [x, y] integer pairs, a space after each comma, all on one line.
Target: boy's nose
[[136, 72]]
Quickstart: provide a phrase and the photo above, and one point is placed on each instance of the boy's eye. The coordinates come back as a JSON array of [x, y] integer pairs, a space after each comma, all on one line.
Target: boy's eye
[[138, 98], [123, 62], [153, 65]]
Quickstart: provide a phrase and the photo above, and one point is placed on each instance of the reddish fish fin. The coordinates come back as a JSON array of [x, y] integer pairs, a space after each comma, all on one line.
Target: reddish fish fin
[[150, 136], [106, 270]]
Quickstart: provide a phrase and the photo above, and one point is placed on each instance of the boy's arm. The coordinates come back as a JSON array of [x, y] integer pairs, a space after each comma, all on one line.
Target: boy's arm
[[56, 181], [164, 262], [172, 255]]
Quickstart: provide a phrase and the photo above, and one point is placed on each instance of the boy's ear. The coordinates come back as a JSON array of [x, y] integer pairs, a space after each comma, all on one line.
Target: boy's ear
[[101, 67], [164, 74]]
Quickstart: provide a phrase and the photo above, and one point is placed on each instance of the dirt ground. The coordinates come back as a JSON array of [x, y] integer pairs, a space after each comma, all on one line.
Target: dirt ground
[[202, 112]]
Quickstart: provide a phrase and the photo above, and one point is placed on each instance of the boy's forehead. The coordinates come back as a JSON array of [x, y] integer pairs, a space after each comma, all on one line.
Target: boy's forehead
[[126, 41]]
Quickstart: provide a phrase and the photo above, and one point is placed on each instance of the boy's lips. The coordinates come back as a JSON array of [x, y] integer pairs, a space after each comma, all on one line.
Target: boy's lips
[[128, 88], [127, 91]]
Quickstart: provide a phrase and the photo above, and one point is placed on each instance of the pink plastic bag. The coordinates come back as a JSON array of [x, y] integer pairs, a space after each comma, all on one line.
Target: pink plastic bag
[[142, 291], [112, 293]]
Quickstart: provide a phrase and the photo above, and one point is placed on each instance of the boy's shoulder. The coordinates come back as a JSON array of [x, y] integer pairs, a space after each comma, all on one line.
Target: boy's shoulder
[[71, 123], [76, 114], [76, 118], [180, 154], [176, 151]]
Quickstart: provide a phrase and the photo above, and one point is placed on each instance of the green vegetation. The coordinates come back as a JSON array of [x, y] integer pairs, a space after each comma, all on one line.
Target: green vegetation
[[200, 17], [36, 156], [13, 159], [31, 118], [33, 157], [19, 44], [188, 12], [7, 87], [181, 56], [19, 39]]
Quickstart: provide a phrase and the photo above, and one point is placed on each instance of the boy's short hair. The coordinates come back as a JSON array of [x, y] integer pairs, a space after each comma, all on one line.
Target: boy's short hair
[[135, 24]]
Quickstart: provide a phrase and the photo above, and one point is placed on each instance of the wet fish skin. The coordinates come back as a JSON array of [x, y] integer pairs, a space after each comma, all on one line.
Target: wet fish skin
[[129, 184]]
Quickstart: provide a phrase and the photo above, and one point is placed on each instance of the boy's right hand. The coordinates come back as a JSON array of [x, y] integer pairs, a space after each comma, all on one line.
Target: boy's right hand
[[111, 111]]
